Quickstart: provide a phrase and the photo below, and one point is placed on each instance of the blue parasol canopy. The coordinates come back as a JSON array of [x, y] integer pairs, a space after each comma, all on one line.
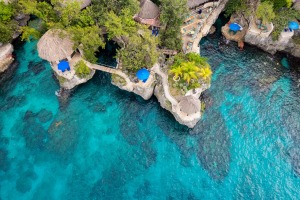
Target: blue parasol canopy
[[293, 25], [63, 66], [235, 27], [143, 74]]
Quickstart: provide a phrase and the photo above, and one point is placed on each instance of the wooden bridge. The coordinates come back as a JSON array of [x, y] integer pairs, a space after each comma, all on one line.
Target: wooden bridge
[[110, 70]]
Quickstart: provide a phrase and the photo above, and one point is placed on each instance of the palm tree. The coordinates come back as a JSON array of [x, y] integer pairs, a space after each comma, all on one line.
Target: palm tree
[[190, 71], [177, 71], [205, 73]]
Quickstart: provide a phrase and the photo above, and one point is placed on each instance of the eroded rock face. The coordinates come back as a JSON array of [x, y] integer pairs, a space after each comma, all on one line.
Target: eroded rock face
[[145, 90], [70, 84], [270, 46], [6, 57]]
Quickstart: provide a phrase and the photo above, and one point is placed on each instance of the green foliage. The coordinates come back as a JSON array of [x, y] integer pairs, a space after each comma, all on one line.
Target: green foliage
[[100, 8], [7, 30], [278, 4], [236, 6], [281, 20], [7, 24], [88, 39], [173, 13], [141, 51], [6, 12], [122, 25], [265, 12], [81, 69], [190, 68], [28, 33]]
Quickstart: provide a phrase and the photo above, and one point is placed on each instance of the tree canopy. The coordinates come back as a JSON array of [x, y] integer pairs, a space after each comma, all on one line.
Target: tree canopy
[[7, 24], [192, 69], [140, 51], [265, 12], [173, 13]]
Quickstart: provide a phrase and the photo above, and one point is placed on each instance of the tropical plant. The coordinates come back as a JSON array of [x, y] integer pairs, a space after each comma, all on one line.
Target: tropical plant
[[190, 68], [81, 69], [265, 12], [177, 71], [205, 73]]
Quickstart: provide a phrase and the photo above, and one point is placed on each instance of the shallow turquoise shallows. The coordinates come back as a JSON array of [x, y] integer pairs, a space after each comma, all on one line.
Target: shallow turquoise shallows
[[104, 143]]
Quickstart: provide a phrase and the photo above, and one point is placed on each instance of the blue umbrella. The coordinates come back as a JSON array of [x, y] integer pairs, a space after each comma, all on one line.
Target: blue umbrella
[[235, 27], [143, 74], [63, 65], [293, 25]]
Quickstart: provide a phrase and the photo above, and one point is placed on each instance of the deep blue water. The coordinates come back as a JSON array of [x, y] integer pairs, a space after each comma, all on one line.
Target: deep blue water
[[104, 143]]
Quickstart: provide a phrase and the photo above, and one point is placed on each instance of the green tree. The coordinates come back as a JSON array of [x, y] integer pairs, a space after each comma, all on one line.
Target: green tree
[[281, 20], [140, 51], [6, 12], [88, 39], [81, 69], [7, 24], [173, 13], [278, 4], [120, 26], [101, 7], [236, 6], [191, 68], [265, 12]]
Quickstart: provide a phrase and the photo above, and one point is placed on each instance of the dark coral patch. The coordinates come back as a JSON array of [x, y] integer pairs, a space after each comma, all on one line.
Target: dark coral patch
[[4, 162]]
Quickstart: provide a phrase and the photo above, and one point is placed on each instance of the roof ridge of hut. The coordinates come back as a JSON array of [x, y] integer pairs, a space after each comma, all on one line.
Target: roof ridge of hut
[[149, 10], [55, 45]]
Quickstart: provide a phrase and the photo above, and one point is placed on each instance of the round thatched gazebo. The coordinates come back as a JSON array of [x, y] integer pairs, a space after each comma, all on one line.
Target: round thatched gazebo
[[55, 45], [189, 105], [149, 13]]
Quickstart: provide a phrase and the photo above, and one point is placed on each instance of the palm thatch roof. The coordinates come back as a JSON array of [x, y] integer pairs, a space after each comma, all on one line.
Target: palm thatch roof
[[83, 3], [195, 3], [296, 5], [55, 45], [189, 105], [149, 10]]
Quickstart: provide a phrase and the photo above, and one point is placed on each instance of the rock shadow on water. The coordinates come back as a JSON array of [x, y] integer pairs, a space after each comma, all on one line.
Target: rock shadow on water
[[24, 182], [213, 150], [37, 68], [12, 102], [4, 161]]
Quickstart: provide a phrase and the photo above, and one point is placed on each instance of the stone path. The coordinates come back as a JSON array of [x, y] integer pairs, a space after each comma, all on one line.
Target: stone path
[[206, 27], [165, 83]]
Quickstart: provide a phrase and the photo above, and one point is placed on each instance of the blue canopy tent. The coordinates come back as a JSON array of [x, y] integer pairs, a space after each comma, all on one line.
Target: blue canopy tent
[[143, 74], [63, 66], [293, 25], [235, 27]]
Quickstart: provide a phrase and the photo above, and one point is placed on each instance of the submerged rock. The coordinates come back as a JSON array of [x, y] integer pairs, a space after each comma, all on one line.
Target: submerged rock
[[4, 163]]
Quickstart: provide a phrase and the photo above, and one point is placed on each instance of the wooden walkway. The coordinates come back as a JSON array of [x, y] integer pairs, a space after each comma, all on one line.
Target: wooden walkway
[[129, 84]]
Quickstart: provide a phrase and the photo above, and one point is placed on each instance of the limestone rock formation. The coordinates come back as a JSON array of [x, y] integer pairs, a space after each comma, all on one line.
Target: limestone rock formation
[[6, 57]]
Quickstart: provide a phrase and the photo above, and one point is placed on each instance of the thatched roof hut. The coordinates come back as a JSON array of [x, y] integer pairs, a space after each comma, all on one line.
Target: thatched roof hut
[[189, 105], [296, 5], [149, 13], [83, 3], [195, 3], [55, 45]]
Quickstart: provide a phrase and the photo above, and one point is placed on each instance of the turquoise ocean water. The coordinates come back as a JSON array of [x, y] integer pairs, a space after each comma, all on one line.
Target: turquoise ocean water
[[104, 143]]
